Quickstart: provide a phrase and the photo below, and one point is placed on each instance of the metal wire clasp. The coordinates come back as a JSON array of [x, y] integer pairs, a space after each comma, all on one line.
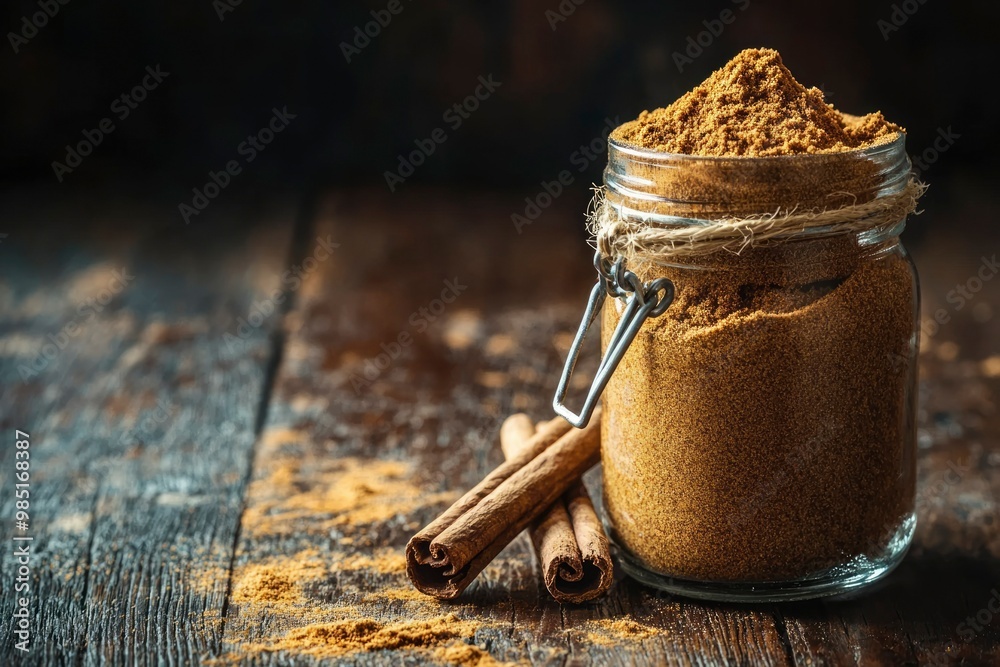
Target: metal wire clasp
[[642, 301]]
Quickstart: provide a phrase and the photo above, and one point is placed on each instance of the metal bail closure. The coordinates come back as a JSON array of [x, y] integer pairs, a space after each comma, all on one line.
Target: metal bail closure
[[642, 301]]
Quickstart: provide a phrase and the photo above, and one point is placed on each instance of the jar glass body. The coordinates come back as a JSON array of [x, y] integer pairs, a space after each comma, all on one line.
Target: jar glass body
[[758, 438]]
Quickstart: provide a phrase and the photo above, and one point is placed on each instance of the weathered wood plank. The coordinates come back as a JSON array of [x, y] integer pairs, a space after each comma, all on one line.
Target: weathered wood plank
[[141, 433], [42, 288]]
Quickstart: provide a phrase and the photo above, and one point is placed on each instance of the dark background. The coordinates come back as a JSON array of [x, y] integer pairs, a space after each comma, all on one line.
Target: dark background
[[353, 119]]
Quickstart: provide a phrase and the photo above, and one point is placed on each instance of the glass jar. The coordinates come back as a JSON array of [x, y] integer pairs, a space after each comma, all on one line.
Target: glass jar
[[758, 435]]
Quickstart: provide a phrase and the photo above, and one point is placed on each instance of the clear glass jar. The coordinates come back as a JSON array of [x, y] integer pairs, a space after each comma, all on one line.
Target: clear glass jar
[[758, 437]]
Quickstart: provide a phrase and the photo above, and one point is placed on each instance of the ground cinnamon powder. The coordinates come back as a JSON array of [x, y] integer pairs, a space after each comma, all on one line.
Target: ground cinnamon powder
[[616, 632], [761, 429], [278, 581], [753, 107], [328, 640]]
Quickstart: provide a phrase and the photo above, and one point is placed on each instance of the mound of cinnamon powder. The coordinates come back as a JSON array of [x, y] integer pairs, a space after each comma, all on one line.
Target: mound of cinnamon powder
[[754, 107]]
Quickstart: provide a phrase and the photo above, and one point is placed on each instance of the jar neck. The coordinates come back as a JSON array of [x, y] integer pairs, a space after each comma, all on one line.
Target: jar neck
[[672, 189]]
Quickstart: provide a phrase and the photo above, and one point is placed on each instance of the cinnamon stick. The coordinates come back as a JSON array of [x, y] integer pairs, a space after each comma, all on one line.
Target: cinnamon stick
[[570, 543], [444, 558]]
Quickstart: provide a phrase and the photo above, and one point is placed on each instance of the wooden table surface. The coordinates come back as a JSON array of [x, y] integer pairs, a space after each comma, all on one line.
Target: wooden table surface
[[208, 415]]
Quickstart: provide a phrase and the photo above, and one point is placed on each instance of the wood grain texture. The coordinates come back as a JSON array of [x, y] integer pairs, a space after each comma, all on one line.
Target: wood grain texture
[[141, 430]]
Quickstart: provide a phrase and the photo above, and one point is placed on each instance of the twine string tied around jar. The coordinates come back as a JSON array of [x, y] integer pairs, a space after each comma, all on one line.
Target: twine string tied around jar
[[634, 235]]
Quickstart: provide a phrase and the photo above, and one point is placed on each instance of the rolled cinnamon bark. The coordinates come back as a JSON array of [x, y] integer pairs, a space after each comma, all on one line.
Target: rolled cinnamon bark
[[570, 543], [444, 558]]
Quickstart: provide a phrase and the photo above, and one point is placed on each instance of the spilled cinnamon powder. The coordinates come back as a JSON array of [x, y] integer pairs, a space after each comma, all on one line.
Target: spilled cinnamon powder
[[344, 493], [407, 593], [284, 605], [333, 604], [753, 107], [441, 637], [616, 632], [278, 580], [465, 655], [329, 640], [383, 561], [265, 584]]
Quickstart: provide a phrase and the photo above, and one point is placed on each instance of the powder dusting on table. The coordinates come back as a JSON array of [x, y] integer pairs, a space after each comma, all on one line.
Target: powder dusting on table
[[333, 601], [278, 581], [347, 494], [384, 560], [327, 640], [618, 632], [440, 637], [753, 107], [408, 593], [372, 609], [465, 655]]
